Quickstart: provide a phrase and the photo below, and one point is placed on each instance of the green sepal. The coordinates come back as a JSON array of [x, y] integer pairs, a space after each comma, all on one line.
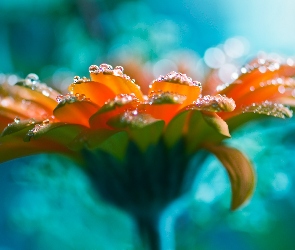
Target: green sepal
[[216, 122], [203, 128], [175, 128], [147, 135], [17, 126], [112, 143]]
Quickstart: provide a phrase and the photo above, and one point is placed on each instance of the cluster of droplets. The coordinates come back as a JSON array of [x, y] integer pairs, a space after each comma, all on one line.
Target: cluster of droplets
[[32, 81], [179, 78], [216, 103], [78, 79], [263, 65], [269, 108], [109, 70], [71, 98], [281, 82], [17, 121], [120, 100], [37, 129], [135, 119], [161, 97]]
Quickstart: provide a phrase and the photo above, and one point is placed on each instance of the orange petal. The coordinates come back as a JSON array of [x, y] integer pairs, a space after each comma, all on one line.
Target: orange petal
[[163, 112], [77, 112], [26, 94], [114, 79], [240, 171], [178, 83], [14, 107], [256, 74], [97, 92]]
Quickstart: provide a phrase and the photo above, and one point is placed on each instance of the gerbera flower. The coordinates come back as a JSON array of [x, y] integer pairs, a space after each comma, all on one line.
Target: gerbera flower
[[136, 148]]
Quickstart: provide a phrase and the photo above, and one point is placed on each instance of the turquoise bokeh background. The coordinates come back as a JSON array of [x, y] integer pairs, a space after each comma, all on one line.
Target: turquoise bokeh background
[[47, 203]]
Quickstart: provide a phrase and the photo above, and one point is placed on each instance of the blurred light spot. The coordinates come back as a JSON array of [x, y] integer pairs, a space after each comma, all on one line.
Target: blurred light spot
[[281, 89], [2, 78], [205, 193], [226, 72], [290, 61], [12, 79], [281, 182], [163, 67], [234, 75], [62, 78], [214, 58], [235, 47]]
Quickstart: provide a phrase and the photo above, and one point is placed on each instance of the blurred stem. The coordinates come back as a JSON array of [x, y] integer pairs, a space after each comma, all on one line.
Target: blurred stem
[[149, 231]]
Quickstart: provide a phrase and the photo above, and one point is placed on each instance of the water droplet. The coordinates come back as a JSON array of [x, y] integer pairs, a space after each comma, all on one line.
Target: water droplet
[[104, 67], [244, 70], [31, 80], [77, 79], [32, 121], [214, 103], [160, 97], [290, 62], [179, 78], [17, 120], [262, 69], [46, 122], [120, 68], [45, 92], [252, 88], [281, 89], [93, 69], [269, 108]]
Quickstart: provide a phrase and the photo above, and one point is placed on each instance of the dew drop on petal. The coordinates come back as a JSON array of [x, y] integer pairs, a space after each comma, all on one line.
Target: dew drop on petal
[[77, 79], [105, 67], [281, 89], [93, 69], [120, 68], [32, 80], [17, 120], [290, 62], [244, 70]]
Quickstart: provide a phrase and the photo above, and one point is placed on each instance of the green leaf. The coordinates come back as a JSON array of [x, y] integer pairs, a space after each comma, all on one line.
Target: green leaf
[[240, 171]]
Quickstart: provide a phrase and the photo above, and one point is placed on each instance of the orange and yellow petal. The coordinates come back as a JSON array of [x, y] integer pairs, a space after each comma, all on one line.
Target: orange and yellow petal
[[26, 102], [257, 75], [115, 80], [97, 92], [74, 109], [162, 105], [179, 84]]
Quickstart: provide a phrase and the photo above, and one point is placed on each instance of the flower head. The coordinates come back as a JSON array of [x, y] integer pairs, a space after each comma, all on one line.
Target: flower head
[[108, 112]]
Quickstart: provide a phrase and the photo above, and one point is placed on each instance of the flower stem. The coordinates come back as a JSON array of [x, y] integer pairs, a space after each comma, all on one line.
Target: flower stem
[[149, 232]]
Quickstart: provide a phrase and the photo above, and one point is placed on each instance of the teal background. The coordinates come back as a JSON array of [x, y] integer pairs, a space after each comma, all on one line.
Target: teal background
[[48, 203]]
